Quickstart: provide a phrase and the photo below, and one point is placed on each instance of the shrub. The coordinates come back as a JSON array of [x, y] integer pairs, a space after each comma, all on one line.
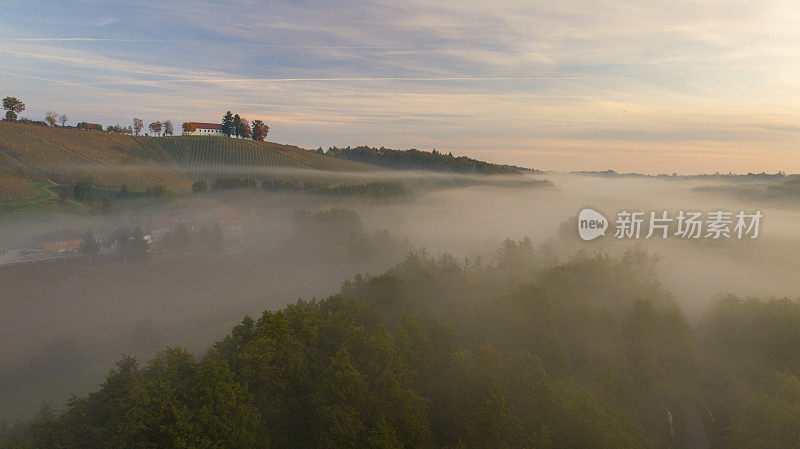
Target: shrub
[[200, 186], [160, 190]]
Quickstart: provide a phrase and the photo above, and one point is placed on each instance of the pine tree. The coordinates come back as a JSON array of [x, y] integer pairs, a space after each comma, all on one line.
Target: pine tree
[[227, 124], [237, 125]]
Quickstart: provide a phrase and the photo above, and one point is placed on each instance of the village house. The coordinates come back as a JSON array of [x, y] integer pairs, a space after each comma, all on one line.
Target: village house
[[92, 126], [63, 241], [205, 129]]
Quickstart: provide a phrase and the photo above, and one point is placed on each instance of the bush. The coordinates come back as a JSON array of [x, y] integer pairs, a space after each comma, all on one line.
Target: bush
[[160, 190], [200, 186], [82, 189]]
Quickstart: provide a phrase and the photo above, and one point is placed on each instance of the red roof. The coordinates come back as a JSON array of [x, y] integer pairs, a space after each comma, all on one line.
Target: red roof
[[90, 125], [200, 125]]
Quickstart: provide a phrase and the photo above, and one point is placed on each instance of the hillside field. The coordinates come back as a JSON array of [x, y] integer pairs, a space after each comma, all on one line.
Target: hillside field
[[33, 155]]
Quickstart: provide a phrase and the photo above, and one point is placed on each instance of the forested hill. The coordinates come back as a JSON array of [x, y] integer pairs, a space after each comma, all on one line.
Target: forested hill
[[438, 353], [419, 160]]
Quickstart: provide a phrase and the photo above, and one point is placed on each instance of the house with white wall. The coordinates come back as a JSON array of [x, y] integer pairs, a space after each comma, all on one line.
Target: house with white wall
[[205, 129]]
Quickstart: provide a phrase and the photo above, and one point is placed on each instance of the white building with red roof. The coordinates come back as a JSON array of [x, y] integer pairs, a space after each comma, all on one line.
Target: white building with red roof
[[205, 129]]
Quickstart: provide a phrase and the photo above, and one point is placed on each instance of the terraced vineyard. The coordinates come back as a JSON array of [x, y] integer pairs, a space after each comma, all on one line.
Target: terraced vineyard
[[210, 157], [60, 155], [15, 187]]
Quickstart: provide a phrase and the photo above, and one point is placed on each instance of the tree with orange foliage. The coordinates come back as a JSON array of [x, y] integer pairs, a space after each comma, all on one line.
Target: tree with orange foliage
[[156, 128], [260, 130]]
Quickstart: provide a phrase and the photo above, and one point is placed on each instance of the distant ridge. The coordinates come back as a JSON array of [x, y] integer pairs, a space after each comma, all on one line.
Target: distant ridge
[[414, 159], [763, 176]]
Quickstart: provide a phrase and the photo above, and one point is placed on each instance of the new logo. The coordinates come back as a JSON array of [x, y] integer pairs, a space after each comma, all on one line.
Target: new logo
[[591, 224]]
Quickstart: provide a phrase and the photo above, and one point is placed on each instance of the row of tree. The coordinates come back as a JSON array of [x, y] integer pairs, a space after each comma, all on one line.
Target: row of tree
[[233, 125], [14, 106], [237, 126], [157, 128], [418, 160], [54, 118], [376, 190]]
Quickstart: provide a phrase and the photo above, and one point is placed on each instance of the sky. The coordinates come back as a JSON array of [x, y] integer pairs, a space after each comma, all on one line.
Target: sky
[[656, 86]]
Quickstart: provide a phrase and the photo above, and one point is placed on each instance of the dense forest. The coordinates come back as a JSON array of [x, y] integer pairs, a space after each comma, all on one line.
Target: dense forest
[[512, 351], [419, 160]]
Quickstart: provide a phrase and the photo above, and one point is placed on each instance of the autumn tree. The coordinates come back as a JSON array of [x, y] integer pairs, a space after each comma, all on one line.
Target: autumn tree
[[156, 128], [62, 119], [227, 124], [244, 130], [260, 130], [13, 107], [51, 118], [168, 130], [138, 124], [188, 127]]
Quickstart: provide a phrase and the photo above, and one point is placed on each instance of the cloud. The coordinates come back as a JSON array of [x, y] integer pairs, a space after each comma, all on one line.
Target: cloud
[[689, 74]]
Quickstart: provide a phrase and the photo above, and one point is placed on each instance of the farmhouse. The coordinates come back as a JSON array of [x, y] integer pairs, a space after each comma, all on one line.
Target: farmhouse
[[93, 126], [63, 241], [205, 129]]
